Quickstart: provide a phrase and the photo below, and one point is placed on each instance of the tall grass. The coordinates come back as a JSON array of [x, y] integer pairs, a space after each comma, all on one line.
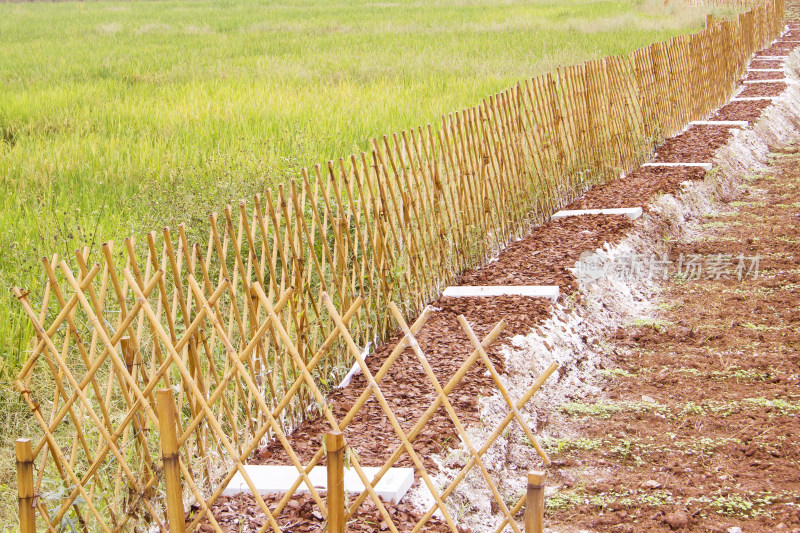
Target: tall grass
[[120, 117]]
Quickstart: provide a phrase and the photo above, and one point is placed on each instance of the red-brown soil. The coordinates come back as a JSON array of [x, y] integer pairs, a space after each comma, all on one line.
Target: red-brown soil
[[637, 188], [763, 89], [543, 257], [765, 76], [698, 427], [409, 392], [766, 63], [696, 145], [241, 513], [780, 48], [747, 110]]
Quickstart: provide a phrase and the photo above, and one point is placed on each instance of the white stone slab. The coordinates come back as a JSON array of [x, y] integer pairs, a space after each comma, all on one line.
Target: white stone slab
[[749, 82], [765, 70], [752, 98], [274, 479], [739, 123], [770, 58], [631, 212], [550, 292], [706, 166]]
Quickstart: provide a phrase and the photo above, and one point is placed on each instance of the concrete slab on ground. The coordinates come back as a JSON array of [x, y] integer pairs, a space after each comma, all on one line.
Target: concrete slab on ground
[[277, 479], [739, 123], [752, 98], [631, 212], [706, 166], [550, 292]]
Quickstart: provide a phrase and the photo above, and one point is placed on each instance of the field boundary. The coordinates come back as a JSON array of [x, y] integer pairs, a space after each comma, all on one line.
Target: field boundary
[[241, 338]]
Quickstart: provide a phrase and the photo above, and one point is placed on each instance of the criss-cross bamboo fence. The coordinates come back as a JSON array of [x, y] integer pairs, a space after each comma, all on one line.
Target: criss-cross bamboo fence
[[244, 329]]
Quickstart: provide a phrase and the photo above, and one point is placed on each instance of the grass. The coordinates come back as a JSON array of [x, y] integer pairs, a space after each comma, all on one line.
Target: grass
[[649, 322], [117, 118], [733, 373], [607, 410], [743, 505]]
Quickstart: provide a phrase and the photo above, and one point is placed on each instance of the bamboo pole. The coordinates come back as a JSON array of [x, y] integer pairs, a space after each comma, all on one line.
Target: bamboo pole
[[25, 492], [334, 442], [534, 504], [168, 424]]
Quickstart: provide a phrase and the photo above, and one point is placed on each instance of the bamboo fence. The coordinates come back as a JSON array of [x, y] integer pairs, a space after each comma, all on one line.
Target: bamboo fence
[[236, 341]]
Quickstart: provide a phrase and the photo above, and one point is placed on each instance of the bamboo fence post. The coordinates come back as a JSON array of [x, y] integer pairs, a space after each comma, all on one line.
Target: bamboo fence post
[[709, 20], [168, 424], [27, 512], [534, 504], [334, 443]]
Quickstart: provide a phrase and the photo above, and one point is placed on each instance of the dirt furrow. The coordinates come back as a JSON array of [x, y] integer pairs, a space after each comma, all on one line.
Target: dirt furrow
[[697, 429]]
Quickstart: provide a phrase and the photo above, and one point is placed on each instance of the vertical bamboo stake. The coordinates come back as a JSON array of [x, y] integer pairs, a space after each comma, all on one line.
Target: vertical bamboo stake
[[168, 424], [27, 512], [709, 20], [534, 504], [129, 353], [334, 442]]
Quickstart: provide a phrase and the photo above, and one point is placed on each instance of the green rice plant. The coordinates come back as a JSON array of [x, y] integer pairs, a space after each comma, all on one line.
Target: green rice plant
[[117, 118]]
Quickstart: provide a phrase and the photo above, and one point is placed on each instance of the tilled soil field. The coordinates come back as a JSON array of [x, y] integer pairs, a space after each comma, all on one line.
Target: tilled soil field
[[780, 48], [760, 62], [698, 427], [765, 76], [543, 256]]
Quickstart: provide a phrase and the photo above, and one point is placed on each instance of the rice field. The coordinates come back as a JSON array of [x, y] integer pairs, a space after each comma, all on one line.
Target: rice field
[[117, 118]]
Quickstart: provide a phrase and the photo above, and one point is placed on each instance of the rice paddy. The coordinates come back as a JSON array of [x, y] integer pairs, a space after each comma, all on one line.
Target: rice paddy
[[117, 118]]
